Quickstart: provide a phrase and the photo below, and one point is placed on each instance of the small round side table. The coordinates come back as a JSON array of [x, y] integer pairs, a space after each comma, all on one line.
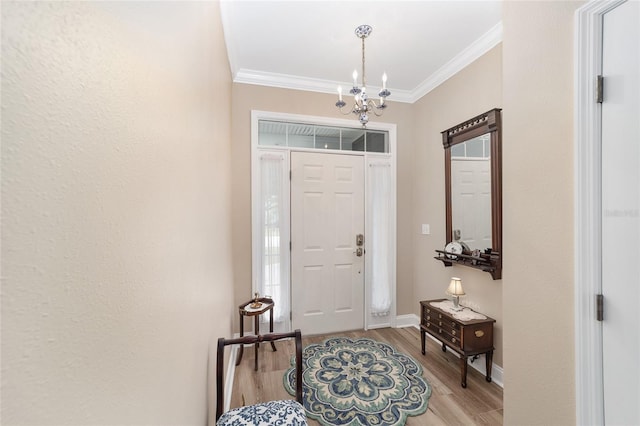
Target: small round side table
[[245, 310]]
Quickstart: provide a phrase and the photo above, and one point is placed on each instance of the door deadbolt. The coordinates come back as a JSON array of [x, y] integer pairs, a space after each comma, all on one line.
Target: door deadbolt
[[358, 252], [359, 239]]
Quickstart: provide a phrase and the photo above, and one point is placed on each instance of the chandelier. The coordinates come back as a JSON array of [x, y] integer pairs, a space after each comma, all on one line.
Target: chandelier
[[362, 105]]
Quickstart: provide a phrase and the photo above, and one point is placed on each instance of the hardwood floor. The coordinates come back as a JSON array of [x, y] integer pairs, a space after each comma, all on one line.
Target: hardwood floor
[[479, 404]]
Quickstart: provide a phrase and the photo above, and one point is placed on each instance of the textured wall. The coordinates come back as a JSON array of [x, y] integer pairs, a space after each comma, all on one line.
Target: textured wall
[[116, 266], [248, 97], [538, 213], [474, 90]]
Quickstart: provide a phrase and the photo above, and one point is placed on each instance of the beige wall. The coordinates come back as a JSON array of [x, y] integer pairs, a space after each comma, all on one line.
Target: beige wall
[[249, 97], [472, 91], [116, 275], [538, 212]]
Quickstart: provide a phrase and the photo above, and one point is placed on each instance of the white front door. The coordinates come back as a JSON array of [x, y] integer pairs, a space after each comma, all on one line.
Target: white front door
[[621, 214], [327, 213]]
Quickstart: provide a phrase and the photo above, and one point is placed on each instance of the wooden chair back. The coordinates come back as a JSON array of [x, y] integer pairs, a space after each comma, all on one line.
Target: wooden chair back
[[246, 340]]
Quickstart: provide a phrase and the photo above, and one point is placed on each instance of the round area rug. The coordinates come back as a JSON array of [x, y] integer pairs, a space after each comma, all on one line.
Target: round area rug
[[359, 382]]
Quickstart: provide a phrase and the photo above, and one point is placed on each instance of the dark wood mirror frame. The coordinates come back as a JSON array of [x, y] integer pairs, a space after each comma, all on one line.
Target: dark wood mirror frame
[[489, 122]]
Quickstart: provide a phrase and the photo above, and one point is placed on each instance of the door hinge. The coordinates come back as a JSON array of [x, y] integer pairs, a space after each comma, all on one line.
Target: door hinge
[[289, 245], [289, 174], [599, 307], [290, 316], [599, 89]]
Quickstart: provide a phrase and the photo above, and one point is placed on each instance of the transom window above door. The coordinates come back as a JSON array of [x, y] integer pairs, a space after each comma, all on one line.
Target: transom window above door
[[311, 136]]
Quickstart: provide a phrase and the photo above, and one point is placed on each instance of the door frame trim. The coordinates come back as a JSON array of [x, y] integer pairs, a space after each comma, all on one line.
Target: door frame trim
[[589, 391], [257, 115]]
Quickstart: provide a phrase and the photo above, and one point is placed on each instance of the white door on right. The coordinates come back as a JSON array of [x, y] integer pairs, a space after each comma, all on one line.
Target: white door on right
[[621, 214]]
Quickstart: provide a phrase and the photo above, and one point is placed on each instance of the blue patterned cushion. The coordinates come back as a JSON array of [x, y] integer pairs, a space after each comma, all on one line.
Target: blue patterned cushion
[[286, 412]]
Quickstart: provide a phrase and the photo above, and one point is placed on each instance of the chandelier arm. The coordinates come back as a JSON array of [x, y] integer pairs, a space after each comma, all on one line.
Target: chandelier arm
[[347, 112], [373, 107]]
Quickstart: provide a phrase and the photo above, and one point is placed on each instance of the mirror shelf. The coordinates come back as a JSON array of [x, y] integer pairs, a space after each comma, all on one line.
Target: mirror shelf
[[473, 189], [484, 262]]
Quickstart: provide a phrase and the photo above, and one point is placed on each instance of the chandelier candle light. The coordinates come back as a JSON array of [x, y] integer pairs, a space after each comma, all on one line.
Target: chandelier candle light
[[362, 105]]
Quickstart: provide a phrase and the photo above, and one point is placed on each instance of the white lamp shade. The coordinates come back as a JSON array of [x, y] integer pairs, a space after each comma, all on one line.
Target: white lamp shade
[[455, 287]]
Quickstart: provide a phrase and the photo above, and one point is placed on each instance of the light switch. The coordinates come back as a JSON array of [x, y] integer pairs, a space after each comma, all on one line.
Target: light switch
[[426, 229]]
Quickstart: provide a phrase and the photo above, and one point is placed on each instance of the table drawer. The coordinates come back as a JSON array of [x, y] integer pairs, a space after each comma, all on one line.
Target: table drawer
[[442, 321], [443, 334]]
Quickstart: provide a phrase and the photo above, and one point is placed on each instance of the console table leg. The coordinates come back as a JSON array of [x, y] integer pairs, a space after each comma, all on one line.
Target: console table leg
[[463, 371], [489, 358], [444, 347], [422, 340]]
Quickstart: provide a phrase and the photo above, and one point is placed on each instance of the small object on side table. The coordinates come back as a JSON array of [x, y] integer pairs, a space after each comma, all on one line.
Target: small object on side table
[[254, 308], [465, 337], [256, 302]]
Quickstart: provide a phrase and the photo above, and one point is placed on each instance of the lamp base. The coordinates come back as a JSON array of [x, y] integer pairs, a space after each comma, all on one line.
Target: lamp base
[[456, 305]]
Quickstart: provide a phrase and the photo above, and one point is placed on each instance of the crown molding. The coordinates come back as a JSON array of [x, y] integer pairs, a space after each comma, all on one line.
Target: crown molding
[[475, 50], [478, 48], [285, 81]]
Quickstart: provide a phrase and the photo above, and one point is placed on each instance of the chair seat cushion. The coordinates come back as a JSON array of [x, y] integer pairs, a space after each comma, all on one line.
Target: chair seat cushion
[[286, 412]]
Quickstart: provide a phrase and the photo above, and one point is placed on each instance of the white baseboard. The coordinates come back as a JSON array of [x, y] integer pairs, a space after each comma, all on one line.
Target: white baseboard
[[497, 373], [373, 327], [231, 371], [408, 320]]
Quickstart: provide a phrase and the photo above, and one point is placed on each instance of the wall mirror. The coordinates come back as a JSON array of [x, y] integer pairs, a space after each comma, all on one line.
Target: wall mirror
[[473, 188]]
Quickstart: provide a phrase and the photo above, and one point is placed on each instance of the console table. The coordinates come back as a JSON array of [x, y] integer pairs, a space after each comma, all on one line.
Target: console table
[[466, 337]]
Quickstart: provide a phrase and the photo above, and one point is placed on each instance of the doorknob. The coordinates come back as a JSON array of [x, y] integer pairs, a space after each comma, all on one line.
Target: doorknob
[[358, 252]]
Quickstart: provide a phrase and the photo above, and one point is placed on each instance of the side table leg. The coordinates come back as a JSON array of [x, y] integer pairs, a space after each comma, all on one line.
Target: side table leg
[[271, 327], [257, 331], [463, 371], [489, 359], [239, 358]]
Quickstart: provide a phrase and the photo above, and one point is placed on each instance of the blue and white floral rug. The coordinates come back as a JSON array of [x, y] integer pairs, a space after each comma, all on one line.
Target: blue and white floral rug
[[359, 382]]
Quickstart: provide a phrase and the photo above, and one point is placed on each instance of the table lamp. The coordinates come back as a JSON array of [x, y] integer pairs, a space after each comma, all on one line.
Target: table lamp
[[455, 290]]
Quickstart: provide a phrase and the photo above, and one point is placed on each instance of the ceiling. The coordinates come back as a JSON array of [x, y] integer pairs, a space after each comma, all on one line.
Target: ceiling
[[311, 45]]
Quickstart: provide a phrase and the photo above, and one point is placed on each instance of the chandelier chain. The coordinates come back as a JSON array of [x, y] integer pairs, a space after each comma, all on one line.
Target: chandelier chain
[[364, 82]]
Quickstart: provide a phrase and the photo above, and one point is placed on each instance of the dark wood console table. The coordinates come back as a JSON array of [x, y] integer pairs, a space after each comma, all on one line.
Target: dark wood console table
[[466, 338]]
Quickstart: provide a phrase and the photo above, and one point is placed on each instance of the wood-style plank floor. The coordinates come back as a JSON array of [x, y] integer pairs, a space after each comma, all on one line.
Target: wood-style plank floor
[[479, 404]]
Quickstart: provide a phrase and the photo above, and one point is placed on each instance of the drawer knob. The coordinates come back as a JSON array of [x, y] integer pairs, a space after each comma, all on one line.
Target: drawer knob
[[428, 310], [428, 317], [453, 340], [453, 324], [428, 324], [440, 330], [440, 323], [479, 333], [439, 315], [453, 332]]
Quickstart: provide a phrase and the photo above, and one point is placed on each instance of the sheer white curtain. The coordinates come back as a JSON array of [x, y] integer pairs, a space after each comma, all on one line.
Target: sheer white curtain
[[273, 279], [380, 244]]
